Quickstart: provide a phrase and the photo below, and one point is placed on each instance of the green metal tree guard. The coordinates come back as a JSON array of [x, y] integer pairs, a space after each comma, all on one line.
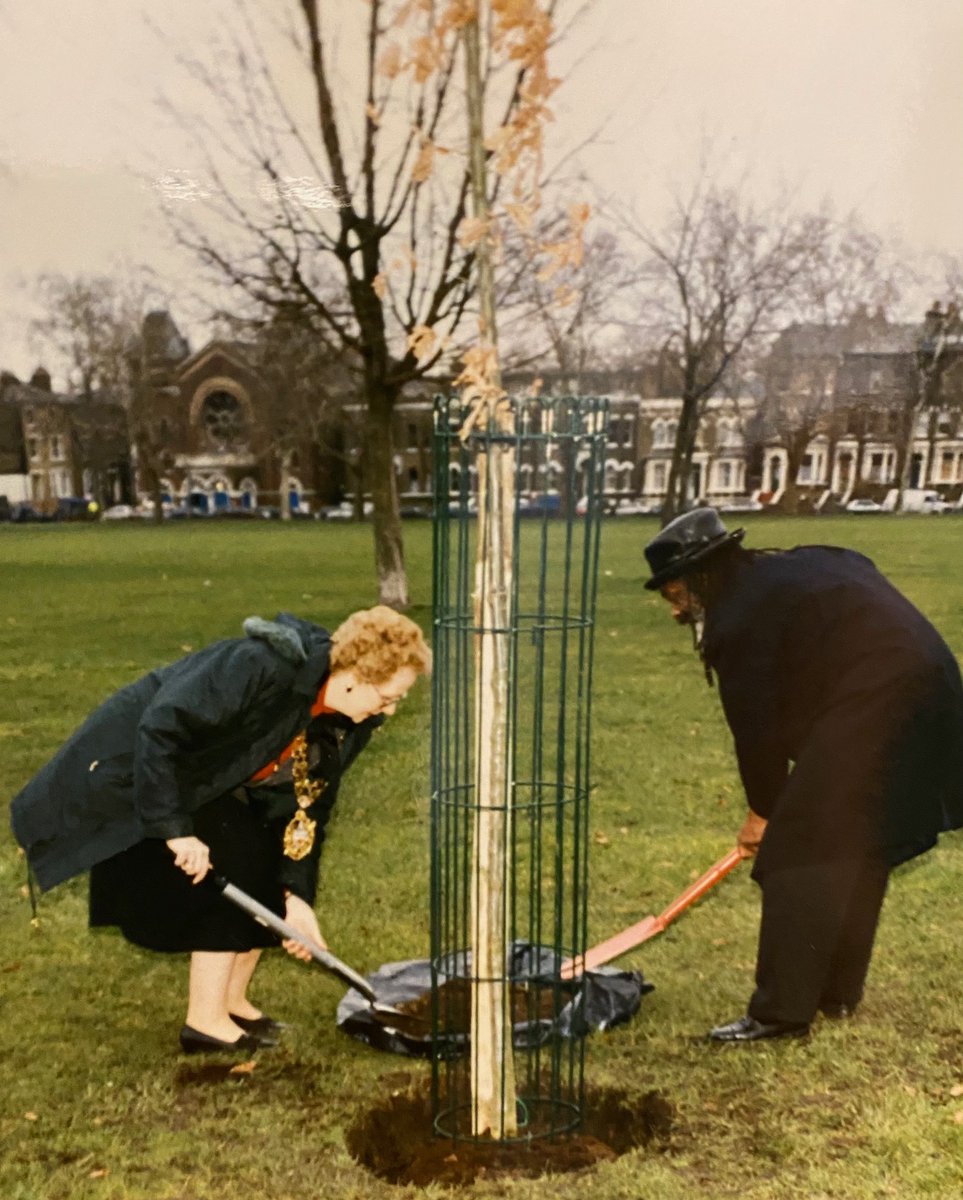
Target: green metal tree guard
[[558, 449]]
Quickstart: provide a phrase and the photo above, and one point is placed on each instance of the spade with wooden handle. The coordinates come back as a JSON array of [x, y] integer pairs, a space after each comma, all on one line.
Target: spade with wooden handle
[[325, 958], [648, 927]]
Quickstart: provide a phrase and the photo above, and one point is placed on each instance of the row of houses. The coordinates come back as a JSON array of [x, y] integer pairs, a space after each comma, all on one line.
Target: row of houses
[[825, 419]]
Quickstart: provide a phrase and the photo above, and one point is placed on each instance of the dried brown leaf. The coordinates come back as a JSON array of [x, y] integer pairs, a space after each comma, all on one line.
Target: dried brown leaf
[[422, 341], [471, 230], [424, 163], [391, 62]]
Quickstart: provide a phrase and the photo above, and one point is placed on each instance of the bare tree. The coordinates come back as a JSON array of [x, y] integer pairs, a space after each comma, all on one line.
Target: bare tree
[[560, 323], [372, 189], [712, 281], [88, 323], [939, 344], [308, 386], [847, 274]]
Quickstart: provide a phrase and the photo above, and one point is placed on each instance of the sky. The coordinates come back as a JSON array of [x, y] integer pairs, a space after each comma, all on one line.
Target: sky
[[859, 102]]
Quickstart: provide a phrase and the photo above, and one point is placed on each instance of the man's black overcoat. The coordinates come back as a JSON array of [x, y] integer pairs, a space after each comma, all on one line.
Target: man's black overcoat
[[845, 704], [158, 749]]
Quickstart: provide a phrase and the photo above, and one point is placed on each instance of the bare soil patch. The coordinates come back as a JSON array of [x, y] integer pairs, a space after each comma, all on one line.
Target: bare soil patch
[[394, 1140]]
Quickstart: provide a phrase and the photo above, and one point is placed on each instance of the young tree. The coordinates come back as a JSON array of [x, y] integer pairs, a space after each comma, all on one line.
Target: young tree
[[372, 190]]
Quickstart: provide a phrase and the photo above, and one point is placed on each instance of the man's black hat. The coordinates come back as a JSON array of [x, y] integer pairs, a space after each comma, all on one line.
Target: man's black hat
[[686, 541]]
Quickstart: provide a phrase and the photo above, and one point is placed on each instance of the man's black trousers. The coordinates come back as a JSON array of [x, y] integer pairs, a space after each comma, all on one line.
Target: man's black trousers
[[816, 937]]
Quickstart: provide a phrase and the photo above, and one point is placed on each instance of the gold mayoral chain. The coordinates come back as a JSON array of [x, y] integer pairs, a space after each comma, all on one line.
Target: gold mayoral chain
[[300, 830]]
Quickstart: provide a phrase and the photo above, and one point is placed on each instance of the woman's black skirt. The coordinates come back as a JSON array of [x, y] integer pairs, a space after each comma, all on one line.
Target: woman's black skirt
[[157, 906]]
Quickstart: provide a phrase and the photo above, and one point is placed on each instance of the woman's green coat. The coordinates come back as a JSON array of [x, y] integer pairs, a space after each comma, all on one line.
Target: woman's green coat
[[148, 757]]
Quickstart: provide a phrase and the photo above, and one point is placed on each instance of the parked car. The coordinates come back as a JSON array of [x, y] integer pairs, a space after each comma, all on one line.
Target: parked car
[[863, 504], [934, 503], [120, 512], [75, 508], [21, 512], [634, 508], [916, 500], [343, 511], [737, 504]]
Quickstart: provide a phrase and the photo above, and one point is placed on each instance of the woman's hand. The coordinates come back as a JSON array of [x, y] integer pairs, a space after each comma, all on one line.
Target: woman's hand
[[750, 835], [300, 914], [191, 855]]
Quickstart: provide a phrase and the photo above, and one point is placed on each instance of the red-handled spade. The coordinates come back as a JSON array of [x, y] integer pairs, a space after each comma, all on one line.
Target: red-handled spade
[[641, 931]]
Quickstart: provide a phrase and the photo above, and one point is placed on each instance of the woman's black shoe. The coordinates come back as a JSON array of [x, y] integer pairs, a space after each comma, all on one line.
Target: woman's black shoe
[[194, 1042], [259, 1026]]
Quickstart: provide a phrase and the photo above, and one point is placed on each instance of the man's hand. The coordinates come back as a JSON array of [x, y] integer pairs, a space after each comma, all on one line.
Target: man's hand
[[191, 855], [750, 835], [300, 914]]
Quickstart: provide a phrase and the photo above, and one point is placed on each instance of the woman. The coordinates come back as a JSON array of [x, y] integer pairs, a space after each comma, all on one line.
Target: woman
[[227, 760]]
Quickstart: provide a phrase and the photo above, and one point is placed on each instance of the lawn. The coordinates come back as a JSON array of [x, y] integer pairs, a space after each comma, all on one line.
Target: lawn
[[95, 1101]]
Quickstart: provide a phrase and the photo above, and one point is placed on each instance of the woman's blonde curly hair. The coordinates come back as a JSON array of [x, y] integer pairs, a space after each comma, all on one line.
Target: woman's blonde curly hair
[[375, 643]]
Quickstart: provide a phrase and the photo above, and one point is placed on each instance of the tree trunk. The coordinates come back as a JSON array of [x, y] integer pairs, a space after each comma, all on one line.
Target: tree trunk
[[284, 492], [675, 496], [380, 471], [493, 1099]]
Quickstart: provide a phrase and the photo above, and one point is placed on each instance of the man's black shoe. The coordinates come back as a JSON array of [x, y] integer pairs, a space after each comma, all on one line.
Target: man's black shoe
[[748, 1029]]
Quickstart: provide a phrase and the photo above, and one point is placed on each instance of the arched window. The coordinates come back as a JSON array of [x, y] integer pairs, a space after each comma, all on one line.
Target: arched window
[[454, 478], [223, 419], [726, 431], [222, 494], [658, 432], [248, 489]]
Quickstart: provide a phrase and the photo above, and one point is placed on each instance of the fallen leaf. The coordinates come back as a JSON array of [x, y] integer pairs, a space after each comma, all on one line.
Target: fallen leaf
[[30, 1116], [958, 1116], [601, 839], [956, 1089], [244, 1068], [99, 1173]]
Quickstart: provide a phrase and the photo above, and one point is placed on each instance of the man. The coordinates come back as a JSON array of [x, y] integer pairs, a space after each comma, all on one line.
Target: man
[[846, 709]]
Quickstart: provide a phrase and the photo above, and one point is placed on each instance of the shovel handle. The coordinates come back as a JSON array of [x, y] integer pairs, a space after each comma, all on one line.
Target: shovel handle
[[641, 931], [698, 889], [265, 916]]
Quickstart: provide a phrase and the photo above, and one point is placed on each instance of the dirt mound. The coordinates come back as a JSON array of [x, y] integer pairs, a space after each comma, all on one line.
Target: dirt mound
[[395, 1140]]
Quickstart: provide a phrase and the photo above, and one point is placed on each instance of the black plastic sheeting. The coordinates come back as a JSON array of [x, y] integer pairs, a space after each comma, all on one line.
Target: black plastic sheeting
[[608, 998]]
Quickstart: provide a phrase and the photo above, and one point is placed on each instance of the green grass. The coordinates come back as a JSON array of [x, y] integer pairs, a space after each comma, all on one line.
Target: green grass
[[95, 1102]]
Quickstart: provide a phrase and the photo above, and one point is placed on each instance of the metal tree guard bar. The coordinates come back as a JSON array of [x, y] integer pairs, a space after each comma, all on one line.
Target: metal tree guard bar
[[558, 463]]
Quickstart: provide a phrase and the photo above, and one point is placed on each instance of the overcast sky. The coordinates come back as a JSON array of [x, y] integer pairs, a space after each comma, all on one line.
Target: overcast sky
[[857, 100]]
